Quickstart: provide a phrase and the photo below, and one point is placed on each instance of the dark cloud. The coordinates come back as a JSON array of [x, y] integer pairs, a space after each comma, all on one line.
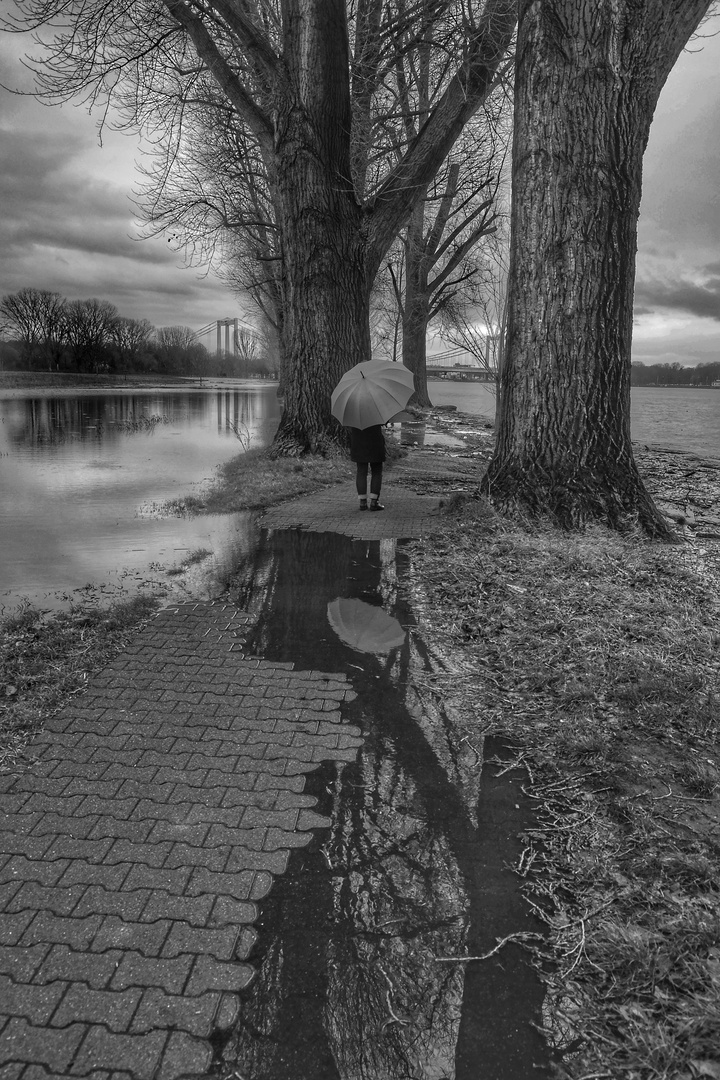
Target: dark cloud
[[68, 225], [680, 295], [48, 202]]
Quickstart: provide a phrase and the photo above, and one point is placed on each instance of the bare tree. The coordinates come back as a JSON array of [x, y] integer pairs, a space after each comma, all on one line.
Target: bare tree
[[473, 319], [35, 318], [89, 328], [132, 339], [461, 211], [285, 71], [178, 351], [585, 93]]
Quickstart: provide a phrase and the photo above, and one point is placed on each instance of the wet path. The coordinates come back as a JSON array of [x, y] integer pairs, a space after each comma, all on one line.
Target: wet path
[[415, 866], [158, 921]]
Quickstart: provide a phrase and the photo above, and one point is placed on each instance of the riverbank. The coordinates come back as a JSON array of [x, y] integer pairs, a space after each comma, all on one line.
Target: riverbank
[[596, 656], [74, 380]]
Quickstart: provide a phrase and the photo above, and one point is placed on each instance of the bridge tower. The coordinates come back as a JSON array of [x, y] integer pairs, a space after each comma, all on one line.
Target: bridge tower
[[227, 323]]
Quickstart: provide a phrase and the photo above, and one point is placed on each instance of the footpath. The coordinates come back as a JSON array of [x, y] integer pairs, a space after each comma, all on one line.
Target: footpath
[[154, 814]]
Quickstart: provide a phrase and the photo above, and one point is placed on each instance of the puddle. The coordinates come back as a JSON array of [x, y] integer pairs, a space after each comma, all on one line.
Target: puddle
[[359, 943], [419, 433]]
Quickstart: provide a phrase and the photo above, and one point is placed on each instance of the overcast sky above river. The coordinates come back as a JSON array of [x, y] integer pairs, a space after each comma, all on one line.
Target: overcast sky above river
[[67, 221]]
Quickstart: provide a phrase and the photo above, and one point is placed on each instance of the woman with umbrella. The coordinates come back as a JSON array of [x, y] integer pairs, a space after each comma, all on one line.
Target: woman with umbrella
[[367, 450], [367, 397]]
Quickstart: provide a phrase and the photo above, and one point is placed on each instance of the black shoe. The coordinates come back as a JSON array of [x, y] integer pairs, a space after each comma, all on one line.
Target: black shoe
[[375, 505], [363, 504]]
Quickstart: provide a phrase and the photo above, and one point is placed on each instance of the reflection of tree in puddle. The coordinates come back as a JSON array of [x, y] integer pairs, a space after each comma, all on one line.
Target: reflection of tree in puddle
[[349, 983], [392, 1009]]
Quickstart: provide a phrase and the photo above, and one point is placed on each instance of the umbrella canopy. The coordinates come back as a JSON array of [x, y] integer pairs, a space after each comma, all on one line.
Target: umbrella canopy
[[371, 392], [364, 627]]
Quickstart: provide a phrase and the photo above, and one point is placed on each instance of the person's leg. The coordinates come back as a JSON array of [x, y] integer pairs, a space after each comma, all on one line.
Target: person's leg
[[375, 485], [361, 483]]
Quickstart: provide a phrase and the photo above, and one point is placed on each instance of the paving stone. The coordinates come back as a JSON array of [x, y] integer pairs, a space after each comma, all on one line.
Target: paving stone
[[194, 1015], [238, 885], [227, 911], [100, 901], [218, 942], [108, 877], [211, 974], [245, 942], [81, 1003], [41, 897], [58, 824], [77, 933], [92, 968], [149, 854], [21, 963], [194, 910], [30, 847], [162, 830], [275, 862], [70, 847], [12, 927], [214, 858], [22, 1041], [168, 974], [185, 1056], [139, 1054], [35, 1003], [147, 877], [146, 938]]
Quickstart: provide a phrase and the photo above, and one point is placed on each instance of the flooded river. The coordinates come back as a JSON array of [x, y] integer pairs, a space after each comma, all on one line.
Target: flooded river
[[681, 418], [82, 474]]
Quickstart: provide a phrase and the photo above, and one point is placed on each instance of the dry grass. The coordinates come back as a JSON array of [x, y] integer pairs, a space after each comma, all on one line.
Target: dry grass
[[599, 656], [255, 480], [45, 660]]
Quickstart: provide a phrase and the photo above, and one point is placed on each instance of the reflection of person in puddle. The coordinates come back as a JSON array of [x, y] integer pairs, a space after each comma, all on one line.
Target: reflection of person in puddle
[[367, 448]]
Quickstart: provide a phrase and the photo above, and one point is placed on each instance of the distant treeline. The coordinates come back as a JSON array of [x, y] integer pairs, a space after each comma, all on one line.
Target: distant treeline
[[675, 374], [43, 331]]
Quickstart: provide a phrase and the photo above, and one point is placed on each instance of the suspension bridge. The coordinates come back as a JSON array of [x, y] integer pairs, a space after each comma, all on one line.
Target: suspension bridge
[[461, 365], [234, 330]]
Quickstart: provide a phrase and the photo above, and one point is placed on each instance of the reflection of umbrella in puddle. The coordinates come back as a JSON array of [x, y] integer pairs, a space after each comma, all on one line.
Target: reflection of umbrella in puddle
[[364, 627]]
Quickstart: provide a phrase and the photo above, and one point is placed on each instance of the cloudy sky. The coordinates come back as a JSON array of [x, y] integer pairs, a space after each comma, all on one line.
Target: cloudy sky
[[67, 223]]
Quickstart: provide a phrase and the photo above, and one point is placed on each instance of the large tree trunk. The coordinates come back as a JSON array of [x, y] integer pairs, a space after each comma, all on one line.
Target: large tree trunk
[[326, 317], [326, 287], [585, 91], [416, 307]]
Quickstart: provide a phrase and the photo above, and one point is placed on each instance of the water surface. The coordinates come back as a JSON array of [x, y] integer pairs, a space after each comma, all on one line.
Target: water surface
[[681, 418], [81, 476]]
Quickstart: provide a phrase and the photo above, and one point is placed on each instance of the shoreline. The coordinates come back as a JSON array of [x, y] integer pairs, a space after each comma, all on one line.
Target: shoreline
[[594, 655]]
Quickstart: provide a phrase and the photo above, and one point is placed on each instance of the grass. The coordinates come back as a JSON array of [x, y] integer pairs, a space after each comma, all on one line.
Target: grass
[[598, 656], [46, 659], [255, 480], [191, 559]]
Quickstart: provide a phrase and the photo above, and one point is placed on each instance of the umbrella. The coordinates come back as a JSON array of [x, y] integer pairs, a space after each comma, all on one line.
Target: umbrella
[[364, 627], [371, 392]]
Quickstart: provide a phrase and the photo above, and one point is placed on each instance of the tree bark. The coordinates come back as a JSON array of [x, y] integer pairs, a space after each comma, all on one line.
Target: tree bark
[[586, 86], [416, 307], [326, 287]]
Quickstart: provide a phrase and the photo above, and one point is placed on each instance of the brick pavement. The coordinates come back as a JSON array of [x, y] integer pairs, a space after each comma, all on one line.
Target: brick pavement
[[336, 510], [137, 844]]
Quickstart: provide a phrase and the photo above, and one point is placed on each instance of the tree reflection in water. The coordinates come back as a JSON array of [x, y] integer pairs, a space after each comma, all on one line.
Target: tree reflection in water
[[349, 986]]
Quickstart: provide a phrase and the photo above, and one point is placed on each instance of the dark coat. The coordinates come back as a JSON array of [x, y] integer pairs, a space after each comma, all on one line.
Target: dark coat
[[368, 444]]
